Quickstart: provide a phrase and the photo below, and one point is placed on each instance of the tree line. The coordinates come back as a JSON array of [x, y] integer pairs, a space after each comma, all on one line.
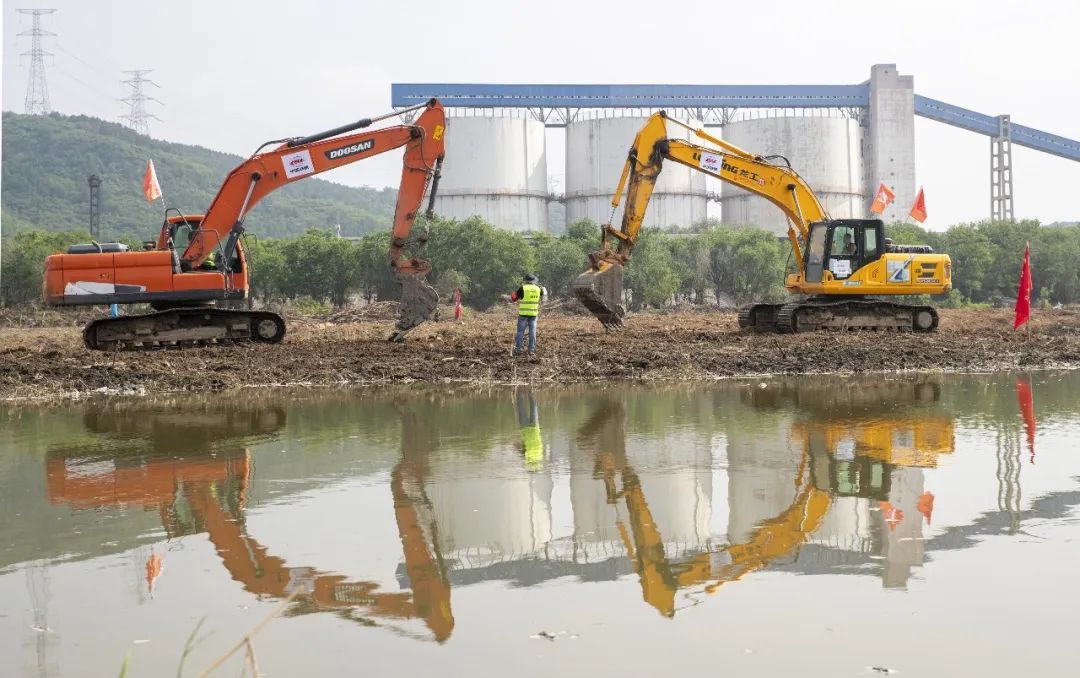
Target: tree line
[[700, 265]]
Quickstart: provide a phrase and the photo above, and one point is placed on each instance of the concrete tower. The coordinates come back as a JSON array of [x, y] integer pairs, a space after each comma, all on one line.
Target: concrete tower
[[889, 140]]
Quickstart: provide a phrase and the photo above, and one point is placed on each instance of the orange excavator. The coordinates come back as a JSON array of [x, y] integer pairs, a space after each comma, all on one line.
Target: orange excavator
[[198, 260], [209, 494]]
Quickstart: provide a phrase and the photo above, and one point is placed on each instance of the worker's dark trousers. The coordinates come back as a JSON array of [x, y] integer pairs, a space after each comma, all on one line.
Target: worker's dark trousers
[[525, 322]]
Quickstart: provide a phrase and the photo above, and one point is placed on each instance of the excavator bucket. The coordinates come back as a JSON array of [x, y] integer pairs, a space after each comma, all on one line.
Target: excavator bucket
[[419, 301], [600, 291]]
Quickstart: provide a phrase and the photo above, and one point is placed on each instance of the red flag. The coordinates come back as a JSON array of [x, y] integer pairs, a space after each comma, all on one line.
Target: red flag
[[457, 305], [154, 566], [925, 505], [1027, 411], [150, 187], [918, 210], [1023, 295], [893, 515], [882, 199]]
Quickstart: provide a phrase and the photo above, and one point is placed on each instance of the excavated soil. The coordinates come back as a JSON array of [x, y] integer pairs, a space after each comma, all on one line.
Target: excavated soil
[[50, 362]]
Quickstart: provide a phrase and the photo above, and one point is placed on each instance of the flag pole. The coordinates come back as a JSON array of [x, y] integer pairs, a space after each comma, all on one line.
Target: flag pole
[[1027, 258]]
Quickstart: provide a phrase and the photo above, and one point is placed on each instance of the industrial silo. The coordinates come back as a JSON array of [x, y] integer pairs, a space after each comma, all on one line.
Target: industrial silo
[[595, 154], [825, 151], [489, 509], [495, 168]]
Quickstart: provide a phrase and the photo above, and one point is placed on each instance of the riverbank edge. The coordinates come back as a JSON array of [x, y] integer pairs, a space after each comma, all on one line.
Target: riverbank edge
[[49, 397]]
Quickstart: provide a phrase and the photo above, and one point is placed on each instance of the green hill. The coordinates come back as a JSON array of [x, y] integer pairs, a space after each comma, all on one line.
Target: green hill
[[47, 159]]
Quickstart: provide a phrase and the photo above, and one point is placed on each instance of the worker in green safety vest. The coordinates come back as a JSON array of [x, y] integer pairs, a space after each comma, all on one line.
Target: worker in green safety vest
[[532, 444], [529, 298]]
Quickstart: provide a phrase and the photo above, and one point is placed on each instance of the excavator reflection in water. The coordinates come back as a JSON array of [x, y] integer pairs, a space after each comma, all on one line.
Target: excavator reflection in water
[[827, 469], [209, 492], [840, 457]]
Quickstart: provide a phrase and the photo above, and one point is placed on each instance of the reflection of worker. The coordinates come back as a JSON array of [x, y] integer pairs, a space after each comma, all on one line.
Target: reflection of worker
[[528, 297], [849, 246], [532, 445]]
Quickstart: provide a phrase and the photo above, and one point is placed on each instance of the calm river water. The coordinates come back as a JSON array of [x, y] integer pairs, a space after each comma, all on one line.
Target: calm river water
[[818, 526]]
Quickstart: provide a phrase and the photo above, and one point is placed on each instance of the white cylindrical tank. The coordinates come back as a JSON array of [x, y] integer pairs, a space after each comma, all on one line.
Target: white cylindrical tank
[[495, 168], [826, 152], [595, 154], [485, 517]]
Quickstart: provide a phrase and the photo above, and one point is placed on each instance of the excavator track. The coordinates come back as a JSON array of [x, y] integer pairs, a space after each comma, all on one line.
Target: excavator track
[[851, 314], [761, 317], [183, 327]]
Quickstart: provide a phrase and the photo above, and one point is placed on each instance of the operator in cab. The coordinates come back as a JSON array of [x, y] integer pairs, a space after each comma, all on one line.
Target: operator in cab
[[528, 297], [849, 246]]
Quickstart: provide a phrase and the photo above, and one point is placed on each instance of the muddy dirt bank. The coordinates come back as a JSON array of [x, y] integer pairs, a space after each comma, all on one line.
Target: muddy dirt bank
[[48, 362]]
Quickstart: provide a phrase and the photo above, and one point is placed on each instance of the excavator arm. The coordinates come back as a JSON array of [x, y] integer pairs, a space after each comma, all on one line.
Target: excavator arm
[[296, 159], [265, 574], [265, 172], [661, 576], [600, 288]]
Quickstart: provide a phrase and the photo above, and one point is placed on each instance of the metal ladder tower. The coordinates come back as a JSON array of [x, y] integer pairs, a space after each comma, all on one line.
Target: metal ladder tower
[[1001, 192], [37, 90], [137, 116]]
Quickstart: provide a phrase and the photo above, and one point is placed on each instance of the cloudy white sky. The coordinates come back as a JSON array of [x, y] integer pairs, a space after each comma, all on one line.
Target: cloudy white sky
[[233, 74]]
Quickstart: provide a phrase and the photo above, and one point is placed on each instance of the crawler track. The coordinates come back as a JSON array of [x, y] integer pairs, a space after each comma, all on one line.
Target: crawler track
[[842, 314], [181, 327]]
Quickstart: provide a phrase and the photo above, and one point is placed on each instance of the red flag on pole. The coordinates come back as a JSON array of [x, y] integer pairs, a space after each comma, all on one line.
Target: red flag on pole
[[925, 505], [1023, 295], [882, 199], [150, 187], [893, 516], [1027, 411], [918, 210]]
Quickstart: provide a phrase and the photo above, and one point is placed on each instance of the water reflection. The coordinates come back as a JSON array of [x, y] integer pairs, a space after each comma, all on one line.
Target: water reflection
[[196, 474], [684, 490], [846, 480]]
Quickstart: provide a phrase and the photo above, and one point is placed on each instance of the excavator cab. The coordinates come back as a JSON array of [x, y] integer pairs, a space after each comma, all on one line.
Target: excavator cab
[[842, 247]]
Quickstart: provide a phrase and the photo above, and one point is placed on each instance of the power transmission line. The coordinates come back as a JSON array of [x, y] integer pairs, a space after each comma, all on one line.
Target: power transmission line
[[137, 117], [37, 90]]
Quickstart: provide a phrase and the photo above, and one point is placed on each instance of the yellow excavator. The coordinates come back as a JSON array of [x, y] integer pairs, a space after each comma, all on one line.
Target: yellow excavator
[[842, 265]]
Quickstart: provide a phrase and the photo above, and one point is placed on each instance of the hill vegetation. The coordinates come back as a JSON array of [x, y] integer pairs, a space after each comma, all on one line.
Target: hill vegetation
[[47, 159]]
